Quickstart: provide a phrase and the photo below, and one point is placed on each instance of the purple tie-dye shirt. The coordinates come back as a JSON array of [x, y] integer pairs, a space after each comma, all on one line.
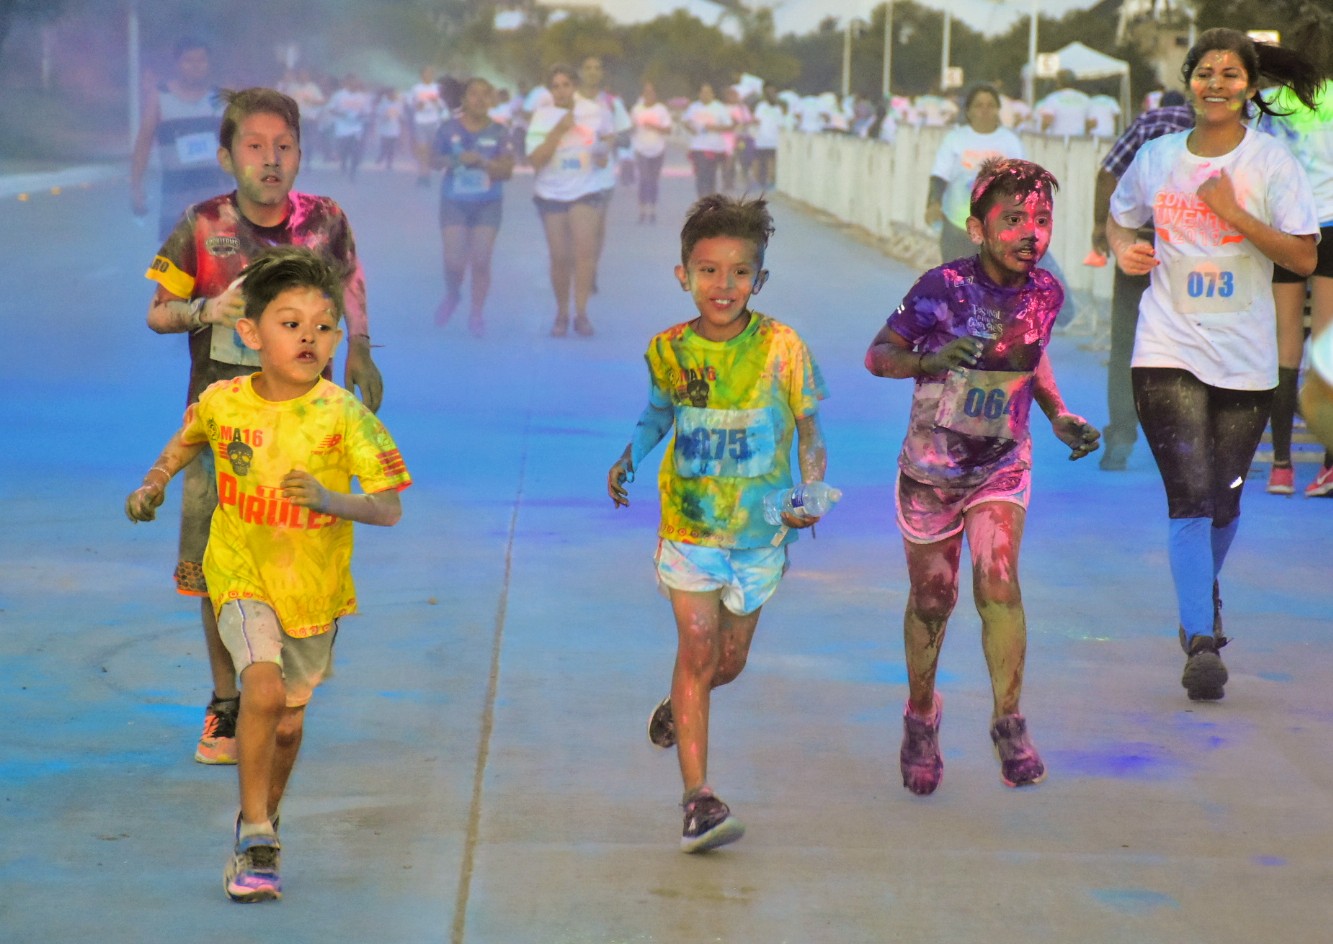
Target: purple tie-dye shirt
[[967, 424]]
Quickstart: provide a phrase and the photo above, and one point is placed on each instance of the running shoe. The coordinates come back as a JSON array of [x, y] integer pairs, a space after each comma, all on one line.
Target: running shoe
[[252, 871], [217, 744], [1020, 765], [662, 725], [1322, 484], [1282, 480], [708, 823], [1204, 673], [919, 757], [1115, 457]]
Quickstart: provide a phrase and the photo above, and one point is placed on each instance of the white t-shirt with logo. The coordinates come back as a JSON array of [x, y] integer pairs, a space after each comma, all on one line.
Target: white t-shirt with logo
[[1068, 111], [707, 122], [769, 120], [961, 153], [571, 171], [652, 124], [1209, 306]]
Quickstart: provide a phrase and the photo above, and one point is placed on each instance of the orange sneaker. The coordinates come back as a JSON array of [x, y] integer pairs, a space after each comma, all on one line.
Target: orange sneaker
[[217, 745]]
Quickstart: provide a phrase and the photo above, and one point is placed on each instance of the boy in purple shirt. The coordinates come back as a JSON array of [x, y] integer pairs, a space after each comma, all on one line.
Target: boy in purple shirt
[[973, 333]]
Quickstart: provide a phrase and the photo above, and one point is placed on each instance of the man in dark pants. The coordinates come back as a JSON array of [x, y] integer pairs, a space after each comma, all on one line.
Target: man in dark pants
[[1121, 430]]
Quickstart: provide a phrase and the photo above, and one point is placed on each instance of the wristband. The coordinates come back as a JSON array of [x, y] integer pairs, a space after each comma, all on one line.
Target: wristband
[[157, 468], [196, 316]]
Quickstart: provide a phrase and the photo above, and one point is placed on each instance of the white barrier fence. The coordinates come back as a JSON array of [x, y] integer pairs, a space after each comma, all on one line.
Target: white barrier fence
[[882, 188]]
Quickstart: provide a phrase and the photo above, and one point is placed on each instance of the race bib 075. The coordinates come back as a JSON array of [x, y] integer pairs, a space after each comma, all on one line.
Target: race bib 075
[[725, 443]]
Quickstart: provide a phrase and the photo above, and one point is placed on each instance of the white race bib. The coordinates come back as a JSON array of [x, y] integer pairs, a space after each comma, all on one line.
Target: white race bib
[[724, 443], [470, 180], [988, 403], [225, 345], [198, 148], [1211, 285]]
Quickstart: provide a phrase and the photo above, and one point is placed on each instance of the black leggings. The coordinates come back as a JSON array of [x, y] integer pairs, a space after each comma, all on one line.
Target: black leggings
[[1202, 437]]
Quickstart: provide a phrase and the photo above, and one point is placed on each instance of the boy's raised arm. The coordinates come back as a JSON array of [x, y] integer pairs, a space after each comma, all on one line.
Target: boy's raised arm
[[143, 502], [653, 425]]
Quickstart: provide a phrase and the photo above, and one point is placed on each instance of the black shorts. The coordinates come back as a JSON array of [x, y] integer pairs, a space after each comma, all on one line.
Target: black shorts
[[1323, 266], [470, 213]]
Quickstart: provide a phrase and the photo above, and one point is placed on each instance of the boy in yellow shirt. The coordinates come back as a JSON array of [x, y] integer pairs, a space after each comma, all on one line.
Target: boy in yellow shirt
[[285, 443]]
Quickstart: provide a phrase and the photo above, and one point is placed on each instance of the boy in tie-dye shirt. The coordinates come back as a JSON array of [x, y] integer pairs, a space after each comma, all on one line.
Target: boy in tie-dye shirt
[[736, 386], [972, 334]]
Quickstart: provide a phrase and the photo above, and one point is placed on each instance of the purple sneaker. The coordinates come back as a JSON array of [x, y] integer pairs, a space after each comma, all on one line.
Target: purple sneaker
[[920, 760], [252, 871], [1020, 765], [708, 823]]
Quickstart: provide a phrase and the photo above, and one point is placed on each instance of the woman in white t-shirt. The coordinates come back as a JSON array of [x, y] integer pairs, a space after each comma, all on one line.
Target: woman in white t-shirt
[[652, 126], [566, 145], [1226, 202], [960, 155], [707, 118]]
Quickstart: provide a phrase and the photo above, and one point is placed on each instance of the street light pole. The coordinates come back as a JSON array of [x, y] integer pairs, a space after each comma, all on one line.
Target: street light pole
[[847, 59], [888, 50], [1032, 57], [944, 51]]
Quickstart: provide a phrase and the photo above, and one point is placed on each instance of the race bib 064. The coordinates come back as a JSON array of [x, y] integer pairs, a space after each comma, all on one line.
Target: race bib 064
[[987, 403]]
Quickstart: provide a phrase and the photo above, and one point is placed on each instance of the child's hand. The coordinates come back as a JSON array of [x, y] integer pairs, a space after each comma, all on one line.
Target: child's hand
[[621, 472], [225, 309], [960, 352], [798, 521], [144, 501], [302, 488], [1076, 433]]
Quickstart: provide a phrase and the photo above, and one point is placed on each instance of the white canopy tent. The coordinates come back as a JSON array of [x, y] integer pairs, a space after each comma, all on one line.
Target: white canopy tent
[[1087, 63], [643, 11]]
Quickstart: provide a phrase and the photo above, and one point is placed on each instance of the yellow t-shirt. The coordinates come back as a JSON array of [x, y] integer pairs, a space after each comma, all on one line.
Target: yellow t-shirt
[[261, 546]]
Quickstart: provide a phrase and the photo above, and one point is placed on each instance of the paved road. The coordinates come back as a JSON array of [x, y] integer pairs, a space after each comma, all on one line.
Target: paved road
[[478, 771]]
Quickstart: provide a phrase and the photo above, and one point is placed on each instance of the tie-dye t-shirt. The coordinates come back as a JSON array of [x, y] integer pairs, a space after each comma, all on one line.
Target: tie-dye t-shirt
[[261, 546], [1208, 308], [969, 423], [736, 404], [212, 244]]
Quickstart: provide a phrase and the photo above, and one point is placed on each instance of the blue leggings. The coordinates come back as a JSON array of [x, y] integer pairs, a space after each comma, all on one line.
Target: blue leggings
[[1203, 439]]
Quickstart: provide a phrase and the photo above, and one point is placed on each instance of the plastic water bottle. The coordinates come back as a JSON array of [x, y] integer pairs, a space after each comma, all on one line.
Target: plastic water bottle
[[809, 500]]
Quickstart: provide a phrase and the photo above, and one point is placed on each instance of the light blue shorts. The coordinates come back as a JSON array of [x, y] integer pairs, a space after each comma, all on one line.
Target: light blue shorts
[[251, 632], [747, 577]]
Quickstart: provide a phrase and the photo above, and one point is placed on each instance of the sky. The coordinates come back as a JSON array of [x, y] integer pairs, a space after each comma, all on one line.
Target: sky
[[985, 16]]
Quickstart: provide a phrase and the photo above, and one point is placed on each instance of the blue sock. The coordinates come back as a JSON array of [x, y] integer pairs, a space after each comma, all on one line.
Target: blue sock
[[1222, 538], [1191, 551]]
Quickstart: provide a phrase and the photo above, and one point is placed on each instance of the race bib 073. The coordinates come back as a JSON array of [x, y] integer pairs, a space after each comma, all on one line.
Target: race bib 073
[[1211, 285]]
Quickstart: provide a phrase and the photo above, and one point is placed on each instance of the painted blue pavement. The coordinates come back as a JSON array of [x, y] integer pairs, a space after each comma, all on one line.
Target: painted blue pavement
[[478, 770]]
